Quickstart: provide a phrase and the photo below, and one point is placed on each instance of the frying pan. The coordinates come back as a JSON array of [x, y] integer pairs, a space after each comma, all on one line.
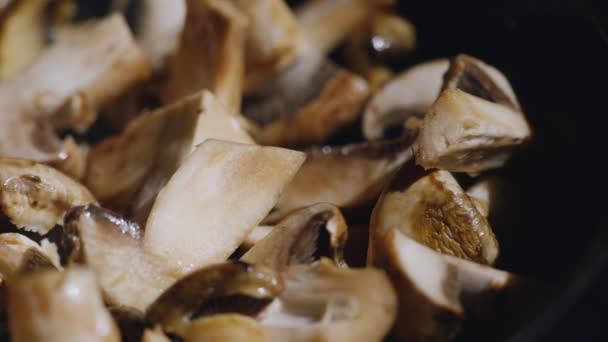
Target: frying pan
[[555, 54]]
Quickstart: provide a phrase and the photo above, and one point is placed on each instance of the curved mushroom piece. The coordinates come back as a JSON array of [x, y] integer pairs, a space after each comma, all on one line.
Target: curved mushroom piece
[[257, 234], [127, 171], [19, 254], [476, 122], [431, 208], [297, 239], [217, 177], [211, 55], [437, 291], [226, 328], [21, 35], [154, 335], [346, 176], [322, 302], [487, 195], [409, 94], [327, 22], [306, 103], [273, 39], [159, 25], [65, 86], [224, 288], [54, 306], [36, 197]]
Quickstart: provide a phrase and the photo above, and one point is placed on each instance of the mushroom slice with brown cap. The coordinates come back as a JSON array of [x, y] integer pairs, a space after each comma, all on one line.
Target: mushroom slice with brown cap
[[297, 239], [224, 288], [21, 35], [346, 176], [35, 197], [409, 94], [58, 306], [437, 291], [224, 327], [127, 171], [322, 302], [65, 86], [476, 122], [431, 207], [159, 25], [273, 39], [217, 177], [210, 55], [327, 22]]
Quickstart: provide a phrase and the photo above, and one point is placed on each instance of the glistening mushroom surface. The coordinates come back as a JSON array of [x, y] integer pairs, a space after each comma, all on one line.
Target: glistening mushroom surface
[[322, 302], [53, 306], [35, 197], [431, 207]]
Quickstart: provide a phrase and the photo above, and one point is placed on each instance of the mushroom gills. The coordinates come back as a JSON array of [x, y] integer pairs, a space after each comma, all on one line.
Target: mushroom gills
[[431, 208]]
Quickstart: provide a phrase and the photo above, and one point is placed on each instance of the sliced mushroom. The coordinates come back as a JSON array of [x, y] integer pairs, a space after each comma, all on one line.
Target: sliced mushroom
[[36, 197], [210, 54], [226, 328], [21, 35], [126, 172], [297, 239], [54, 306], [224, 288], [328, 22], [409, 94], [65, 86], [487, 194], [476, 122], [19, 254], [112, 247], [159, 25], [218, 177], [273, 39], [322, 302], [154, 335], [346, 176], [437, 291], [257, 234], [431, 208]]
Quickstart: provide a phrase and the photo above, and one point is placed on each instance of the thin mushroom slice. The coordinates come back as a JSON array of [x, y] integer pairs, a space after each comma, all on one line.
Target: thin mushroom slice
[[21, 35], [217, 177], [111, 246], [322, 302], [431, 207], [224, 288], [224, 327], [409, 94], [19, 254], [437, 291], [475, 124], [306, 103], [273, 39], [297, 239], [154, 335], [346, 176], [210, 55], [96, 65], [127, 171], [53, 306], [35, 197]]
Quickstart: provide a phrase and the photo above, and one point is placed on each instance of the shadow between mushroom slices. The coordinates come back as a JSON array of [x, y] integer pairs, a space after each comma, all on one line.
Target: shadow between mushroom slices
[[97, 64], [180, 237], [437, 291], [431, 208], [127, 171], [35, 197], [346, 176], [210, 54], [322, 302], [475, 124], [298, 239], [224, 288], [409, 94], [58, 306]]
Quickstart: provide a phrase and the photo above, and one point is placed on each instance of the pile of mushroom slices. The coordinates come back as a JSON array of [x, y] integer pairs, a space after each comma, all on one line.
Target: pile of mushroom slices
[[185, 170]]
